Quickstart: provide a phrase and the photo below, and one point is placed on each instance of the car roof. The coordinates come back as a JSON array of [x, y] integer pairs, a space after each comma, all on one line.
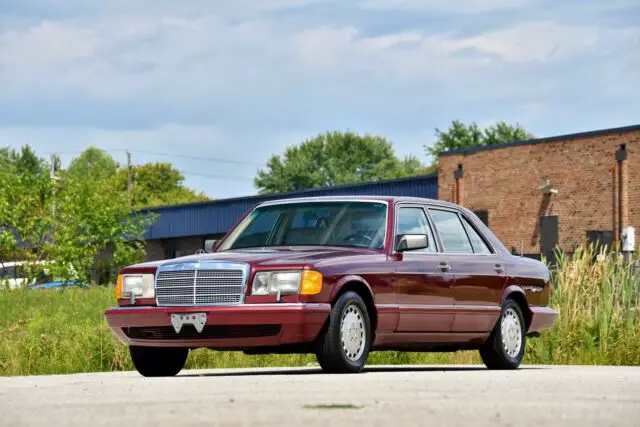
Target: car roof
[[385, 199], [391, 200]]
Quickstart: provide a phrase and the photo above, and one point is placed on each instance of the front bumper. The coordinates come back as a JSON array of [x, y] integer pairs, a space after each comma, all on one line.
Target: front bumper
[[238, 326]]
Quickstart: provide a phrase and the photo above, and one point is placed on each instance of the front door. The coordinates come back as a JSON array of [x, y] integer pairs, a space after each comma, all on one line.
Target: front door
[[479, 272], [424, 285]]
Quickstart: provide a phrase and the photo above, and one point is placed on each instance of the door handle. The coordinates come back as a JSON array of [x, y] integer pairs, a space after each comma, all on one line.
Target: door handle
[[498, 268], [444, 266]]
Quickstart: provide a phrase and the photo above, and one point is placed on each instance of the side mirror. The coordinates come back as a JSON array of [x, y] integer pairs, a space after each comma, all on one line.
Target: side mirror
[[409, 242], [209, 244]]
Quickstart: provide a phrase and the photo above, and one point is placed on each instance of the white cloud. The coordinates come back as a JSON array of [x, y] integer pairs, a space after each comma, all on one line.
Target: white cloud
[[539, 41], [449, 6], [197, 59], [49, 43], [247, 78], [416, 56]]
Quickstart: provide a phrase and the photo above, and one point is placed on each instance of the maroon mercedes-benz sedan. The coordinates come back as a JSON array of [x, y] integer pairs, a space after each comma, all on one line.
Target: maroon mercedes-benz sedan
[[338, 277]]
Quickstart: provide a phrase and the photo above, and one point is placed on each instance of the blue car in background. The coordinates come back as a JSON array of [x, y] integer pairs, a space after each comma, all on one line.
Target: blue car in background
[[12, 276], [60, 285]]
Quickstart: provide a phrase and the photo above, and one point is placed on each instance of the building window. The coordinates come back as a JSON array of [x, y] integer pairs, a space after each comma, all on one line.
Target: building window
[[483, 215], [600, 238]]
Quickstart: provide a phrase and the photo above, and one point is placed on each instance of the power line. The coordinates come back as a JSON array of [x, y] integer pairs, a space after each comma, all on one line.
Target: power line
[[223, 177], [203, 175], [158, 153], [208, 159]]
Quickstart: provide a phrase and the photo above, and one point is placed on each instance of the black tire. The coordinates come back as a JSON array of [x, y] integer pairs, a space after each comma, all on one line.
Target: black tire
[[493, 352], [158, 361], [330, 351]]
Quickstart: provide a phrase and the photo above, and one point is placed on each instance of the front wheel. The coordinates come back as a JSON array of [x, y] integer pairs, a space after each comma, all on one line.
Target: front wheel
[[504, 349], [158, 361], [343, 347]]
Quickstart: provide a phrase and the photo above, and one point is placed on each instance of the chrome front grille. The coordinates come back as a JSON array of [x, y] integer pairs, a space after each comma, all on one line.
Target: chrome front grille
[[200, 284]]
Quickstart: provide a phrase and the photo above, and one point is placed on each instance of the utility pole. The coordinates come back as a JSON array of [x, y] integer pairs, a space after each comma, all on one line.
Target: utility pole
[[53, 171], [129, 178]]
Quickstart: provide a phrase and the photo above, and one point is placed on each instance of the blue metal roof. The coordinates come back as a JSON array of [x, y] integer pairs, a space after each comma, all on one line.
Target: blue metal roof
[[600, 132], [218, 216]]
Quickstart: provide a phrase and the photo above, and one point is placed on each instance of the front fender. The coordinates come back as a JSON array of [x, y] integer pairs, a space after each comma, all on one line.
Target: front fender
[[339, 285]]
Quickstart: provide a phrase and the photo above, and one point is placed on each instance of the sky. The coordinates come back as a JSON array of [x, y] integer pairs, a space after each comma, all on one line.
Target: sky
[[196, 82]]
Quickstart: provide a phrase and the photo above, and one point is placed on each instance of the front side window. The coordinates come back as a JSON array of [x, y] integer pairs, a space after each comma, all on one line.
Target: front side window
[[452, 232], [414, 221], [348, 224]]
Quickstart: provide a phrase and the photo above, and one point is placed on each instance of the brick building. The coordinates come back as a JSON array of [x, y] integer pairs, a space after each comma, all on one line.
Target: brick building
[[563, 189]]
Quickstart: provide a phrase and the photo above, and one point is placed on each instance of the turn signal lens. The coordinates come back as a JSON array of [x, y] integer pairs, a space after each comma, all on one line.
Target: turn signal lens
[[119, 287], [311, 282]]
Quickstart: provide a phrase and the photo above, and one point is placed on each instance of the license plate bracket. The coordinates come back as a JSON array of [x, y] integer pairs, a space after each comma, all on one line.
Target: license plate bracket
[[198, 320]]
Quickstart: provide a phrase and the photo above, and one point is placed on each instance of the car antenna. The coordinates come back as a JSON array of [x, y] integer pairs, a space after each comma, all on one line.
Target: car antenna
[[521, 247]]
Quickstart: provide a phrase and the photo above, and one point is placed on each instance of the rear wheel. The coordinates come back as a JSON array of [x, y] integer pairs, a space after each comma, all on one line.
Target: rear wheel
[[158, 361], [504, 349], [343, 347]]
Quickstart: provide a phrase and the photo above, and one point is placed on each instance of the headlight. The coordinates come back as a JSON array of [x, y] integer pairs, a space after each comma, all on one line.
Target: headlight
[[137, 285], [306, 282]]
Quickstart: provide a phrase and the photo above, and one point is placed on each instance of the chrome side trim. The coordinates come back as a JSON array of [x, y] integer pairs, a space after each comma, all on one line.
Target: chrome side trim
[[441, 307]]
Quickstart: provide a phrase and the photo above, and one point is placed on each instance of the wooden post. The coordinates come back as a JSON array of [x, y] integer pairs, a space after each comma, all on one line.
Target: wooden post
[[129, 179]]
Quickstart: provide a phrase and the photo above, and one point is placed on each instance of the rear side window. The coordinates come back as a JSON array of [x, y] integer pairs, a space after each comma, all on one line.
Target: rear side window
[[479, 246], [452, 232]]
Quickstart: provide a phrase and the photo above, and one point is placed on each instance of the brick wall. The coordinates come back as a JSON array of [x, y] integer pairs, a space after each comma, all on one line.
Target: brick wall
[[505, 182]]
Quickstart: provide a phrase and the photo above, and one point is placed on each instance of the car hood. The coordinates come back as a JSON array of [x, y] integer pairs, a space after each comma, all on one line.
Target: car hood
[[275, 257]]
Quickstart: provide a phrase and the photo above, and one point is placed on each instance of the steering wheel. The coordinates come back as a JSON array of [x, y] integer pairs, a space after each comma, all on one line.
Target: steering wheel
[[362, 237]]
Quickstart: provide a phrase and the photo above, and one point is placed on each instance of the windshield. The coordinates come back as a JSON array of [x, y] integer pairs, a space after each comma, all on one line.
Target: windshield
[[349, 224]]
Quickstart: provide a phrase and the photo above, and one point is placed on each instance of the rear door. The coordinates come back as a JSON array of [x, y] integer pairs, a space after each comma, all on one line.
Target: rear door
[[479, 272], [424, 285]]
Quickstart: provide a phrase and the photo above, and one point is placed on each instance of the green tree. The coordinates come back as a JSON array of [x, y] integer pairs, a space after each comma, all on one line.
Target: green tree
[[93, 164], [24, 160], [333, 158], [157, 184], [91, 217], [460, 135], [24, 206], [69, 221]]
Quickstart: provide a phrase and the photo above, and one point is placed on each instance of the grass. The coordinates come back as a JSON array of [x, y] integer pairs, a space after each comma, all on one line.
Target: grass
[[60, 332]]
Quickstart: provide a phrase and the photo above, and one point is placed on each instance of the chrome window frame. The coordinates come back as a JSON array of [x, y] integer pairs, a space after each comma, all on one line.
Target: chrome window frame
[[438, 242], [461, 214], [324, 200]]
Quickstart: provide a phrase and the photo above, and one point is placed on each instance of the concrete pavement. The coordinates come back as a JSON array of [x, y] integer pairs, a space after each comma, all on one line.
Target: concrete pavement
[[381, 396]]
